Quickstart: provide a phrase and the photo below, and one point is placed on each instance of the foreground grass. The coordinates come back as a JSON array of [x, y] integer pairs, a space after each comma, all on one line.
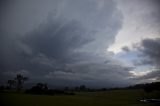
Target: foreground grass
[[107, 98]]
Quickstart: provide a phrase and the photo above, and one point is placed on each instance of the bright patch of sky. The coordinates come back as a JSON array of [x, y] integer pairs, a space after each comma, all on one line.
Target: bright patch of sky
[[140, 22]]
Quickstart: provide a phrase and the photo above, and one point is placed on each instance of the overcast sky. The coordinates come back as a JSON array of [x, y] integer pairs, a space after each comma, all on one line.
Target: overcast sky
[[99, 43]]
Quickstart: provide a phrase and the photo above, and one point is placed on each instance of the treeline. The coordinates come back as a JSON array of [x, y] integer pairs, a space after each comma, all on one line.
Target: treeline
[[16, 84], [148, 87], [42, 89]]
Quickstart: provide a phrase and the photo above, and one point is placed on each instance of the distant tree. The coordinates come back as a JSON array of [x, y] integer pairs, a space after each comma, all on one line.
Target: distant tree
[[103, 89], [2, 88], [148, 88], [82, 87], [11, 83], [39, 88], [42, 89], [45, 87], [66, 88], [40, 85], [76, 88], [151, 87], [20, 80]]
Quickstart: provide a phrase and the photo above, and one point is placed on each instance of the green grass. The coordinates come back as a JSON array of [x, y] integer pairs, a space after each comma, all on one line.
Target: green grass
[[107, 98]]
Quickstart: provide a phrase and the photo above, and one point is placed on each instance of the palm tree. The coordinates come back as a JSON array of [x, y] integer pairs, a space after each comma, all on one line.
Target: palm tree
[[11, 83], [20, 80]]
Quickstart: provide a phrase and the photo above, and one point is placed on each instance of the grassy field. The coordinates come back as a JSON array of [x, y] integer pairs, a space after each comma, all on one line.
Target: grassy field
[[107, 98]]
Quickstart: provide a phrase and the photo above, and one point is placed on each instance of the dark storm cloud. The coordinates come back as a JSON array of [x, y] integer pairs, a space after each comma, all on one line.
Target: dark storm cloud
[[152, 75], [149, 10], [150, 49], [68, 46], [149, 55], [126, 49], [57, 40], [94, 73], [155, 16], [57, 54], [3, 4]]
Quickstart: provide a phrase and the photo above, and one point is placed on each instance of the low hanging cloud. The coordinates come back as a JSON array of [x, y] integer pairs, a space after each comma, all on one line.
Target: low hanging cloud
[[70, 46]]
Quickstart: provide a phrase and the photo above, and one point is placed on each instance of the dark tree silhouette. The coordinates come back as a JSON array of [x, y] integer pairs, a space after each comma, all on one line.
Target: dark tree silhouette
[[20, 80], [42, 89], [39, 88], [66, 88], [151, 87], [82, 87], [11, 83], [42, 86], [76, 88], [2, 88]]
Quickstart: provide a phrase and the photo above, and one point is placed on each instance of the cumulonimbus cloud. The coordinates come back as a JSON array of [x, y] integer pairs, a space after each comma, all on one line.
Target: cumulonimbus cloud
[[69, 44]]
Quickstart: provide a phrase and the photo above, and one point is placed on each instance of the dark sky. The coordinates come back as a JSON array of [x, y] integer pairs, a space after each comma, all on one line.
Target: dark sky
[[99, 43]]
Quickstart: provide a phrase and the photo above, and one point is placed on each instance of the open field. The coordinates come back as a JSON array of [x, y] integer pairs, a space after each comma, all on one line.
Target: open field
[[107, 98]]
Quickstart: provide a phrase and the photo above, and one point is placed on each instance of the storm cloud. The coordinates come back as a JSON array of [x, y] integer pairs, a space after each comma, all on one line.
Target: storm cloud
[[148, 56], [149, 51], [63, 43]]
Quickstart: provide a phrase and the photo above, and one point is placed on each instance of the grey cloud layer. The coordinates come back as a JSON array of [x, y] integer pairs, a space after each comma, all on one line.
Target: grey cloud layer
[[68, 46]]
